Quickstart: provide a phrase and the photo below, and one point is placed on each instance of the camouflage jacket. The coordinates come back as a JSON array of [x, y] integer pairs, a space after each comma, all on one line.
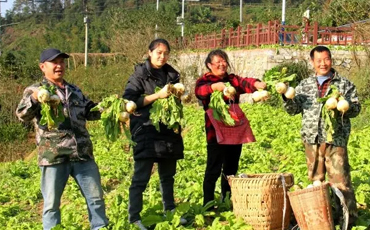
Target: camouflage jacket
[[71, 140], [313, 131]]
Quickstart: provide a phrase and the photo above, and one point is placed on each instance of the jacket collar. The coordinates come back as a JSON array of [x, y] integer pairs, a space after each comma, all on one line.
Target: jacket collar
[[172, 74], [68, 87], [334, 75], [212, 78], [45, 81]]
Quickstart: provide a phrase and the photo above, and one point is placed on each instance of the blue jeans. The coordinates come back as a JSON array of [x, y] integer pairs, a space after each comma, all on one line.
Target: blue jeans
[[53, 182], [140, 179]]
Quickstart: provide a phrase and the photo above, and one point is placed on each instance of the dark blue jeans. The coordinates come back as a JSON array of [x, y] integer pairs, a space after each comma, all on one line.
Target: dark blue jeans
[[220, 158], [140, 179]]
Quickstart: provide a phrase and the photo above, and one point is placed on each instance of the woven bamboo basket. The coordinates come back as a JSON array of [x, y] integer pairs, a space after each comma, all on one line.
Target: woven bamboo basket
[[261, 200], [312, 209]]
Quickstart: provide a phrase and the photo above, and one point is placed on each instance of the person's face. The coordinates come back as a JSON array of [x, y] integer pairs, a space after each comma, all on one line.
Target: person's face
[[159, 56], [218, 66], [322, 63], [54, 70]]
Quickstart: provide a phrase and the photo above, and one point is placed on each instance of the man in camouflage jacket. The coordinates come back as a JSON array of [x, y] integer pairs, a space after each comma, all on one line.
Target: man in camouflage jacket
[[66, 149], [326, 155]]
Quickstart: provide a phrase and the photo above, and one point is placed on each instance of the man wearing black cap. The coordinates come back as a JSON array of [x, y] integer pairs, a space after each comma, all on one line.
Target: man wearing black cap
[[67, 149]]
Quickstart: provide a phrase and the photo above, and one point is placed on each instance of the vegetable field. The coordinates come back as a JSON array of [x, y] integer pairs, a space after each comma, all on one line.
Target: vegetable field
[[278, 149]]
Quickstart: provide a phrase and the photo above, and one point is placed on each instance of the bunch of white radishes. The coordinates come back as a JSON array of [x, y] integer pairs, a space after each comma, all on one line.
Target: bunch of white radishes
[[335, 100], [127, 108], [282, 88], [229, 91], [178, 90], [116, 108], [115, 116], [52, 113], [316, 183], [338, 103], [260, 95], [49, 96]]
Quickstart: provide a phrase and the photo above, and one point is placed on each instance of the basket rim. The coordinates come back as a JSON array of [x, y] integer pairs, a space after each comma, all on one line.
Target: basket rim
[[307, 190], [264, 177]]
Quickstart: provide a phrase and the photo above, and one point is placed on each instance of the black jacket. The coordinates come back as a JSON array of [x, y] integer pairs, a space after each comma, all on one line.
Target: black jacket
[[149, 142]]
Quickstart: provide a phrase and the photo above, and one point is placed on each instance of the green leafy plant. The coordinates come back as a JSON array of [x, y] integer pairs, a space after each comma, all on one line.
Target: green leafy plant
[[329, 114], [51, 110], [274, 79], [168, 111], [220, 109], [114, 117]]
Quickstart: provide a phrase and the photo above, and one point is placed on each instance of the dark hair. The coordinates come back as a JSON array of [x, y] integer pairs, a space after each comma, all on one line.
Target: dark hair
[[155, 43], [219, 53], [319, 49]]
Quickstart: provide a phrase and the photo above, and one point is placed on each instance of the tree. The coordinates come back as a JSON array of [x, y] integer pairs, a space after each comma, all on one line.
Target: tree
[[348, 11]]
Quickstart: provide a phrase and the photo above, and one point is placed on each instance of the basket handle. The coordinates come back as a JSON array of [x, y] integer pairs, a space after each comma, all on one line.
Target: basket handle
[[345, 210], [285, 200]]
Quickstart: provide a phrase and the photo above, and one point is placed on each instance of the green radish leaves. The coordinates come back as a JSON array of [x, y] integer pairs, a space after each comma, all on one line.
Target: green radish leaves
[[329, 114], [168, 111], [220, 108], [51, 108], [111, 109]]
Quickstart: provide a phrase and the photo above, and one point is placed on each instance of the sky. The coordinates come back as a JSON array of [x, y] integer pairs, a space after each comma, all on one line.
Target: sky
[[5, 6]]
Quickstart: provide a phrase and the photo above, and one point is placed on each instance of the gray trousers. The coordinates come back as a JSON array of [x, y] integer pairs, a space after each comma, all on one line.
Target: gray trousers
[[140, 179]]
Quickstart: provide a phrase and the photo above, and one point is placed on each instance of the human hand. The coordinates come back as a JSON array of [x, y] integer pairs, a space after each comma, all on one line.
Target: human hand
[[164, 92], [34, 94], [260, 85], [220, 86]]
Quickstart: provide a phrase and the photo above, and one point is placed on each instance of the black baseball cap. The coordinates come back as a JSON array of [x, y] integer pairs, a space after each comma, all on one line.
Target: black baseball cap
[[51, 54]]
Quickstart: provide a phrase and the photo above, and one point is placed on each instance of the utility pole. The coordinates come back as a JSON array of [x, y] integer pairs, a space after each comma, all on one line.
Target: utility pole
[[156, 26], [241, 11], [283, 14], [1, 41], [182, 20], [86, 22]]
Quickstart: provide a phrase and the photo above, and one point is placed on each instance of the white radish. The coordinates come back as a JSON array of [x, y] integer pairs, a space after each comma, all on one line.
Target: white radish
[[43, 96], [124, 116], [296, 187], [130, 106], [290, 93], [343, 106], [310, 186], [229, 91], [54, 100], [317, 183], [256, 96], [185, 97], [280, 87], [264, 95], [331, 103], [180, 89]]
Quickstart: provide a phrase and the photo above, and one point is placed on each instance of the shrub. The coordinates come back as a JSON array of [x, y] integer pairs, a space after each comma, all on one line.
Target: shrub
[[12, 131], [299, 68]]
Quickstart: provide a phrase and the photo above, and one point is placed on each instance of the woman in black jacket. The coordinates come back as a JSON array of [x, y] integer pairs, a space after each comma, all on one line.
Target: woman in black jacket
[[164, 147]]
